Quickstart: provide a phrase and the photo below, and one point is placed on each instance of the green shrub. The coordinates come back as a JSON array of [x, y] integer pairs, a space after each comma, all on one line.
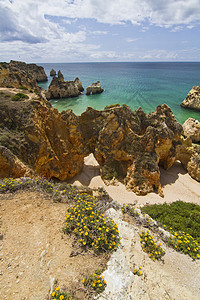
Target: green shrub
[[185, 243], [86, 221], [19, 97], [149, 246], [58, 294], [95, 282], [23, 88], [179, 215]]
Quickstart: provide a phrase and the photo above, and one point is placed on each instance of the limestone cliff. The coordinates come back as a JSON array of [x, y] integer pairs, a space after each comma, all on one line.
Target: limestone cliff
[[63, 89], [128, 145], [45, 141], [19, 74], [192, 101]]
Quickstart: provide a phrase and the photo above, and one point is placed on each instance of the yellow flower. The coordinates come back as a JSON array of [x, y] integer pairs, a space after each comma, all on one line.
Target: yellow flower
[[86, 233], [58, 288], [83, 280], [140, 272], [53, 294], [93, 284], [61, 297]]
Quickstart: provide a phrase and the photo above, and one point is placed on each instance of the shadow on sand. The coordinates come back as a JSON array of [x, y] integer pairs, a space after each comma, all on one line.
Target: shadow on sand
[[171, 175]]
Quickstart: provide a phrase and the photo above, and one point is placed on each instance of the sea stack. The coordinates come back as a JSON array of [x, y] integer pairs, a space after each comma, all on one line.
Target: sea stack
[[94, 88], [192, 101], [52, 72]]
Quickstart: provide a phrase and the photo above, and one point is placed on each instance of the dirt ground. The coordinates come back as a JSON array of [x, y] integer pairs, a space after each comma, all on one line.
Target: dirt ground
[[35, 253]]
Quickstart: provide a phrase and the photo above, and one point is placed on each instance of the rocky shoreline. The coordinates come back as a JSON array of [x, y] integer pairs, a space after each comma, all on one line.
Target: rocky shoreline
[[128, 145]]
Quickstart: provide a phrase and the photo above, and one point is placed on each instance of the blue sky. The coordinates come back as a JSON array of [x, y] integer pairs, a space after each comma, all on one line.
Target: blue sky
[[96, 30]]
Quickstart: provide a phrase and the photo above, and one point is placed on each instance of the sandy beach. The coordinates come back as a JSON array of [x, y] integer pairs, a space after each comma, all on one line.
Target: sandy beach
[[176, 183]]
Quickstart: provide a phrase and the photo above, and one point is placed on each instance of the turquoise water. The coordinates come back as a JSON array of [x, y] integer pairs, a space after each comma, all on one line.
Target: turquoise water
[[135, 84]]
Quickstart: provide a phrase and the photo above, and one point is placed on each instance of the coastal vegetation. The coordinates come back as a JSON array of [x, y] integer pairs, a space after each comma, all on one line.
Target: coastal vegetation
[[152, 248], [182, 220], [19, 97]]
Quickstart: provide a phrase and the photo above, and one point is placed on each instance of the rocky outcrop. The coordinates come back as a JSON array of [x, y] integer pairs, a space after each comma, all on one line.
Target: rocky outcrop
[[189, 155], [192, 101], [191, 129], [52, 72], [94, 88], [64, 89], [128, 145], [18, 74], [42, 139], [11, 166]]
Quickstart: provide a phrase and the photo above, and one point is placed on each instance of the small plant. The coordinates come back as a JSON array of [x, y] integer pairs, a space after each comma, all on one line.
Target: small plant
[[19, 97], [7, 96], [96, 282], [185, 243], [86, 221], [23, 88], [58, 294], [138, 272], [128, 209], [149, 246]]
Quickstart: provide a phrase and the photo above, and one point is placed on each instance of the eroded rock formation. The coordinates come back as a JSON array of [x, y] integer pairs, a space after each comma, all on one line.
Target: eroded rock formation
[[52, 72], [42, 139], [94, 88], [64, 89], [191, 129], [192, 101], [19, 74], [128, 145]]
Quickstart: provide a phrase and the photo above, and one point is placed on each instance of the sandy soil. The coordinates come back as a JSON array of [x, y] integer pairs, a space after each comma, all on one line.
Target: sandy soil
[[177, 184], [34, 251]]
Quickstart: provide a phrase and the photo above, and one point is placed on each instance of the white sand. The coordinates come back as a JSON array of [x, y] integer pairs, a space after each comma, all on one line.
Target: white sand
[[175, 182]]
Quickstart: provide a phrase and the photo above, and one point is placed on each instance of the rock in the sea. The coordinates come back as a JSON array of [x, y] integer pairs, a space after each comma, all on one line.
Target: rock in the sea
[[192, 101], [94, 88], [191, 129], [63, 89], [18, 74], [60, 76], [52, 72]]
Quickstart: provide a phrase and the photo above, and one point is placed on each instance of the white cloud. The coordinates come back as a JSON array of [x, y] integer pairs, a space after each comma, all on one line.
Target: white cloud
[[131, 40], [26, 32]]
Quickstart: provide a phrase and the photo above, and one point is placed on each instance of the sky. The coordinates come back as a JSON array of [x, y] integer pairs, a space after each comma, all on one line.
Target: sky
[[99, 31]]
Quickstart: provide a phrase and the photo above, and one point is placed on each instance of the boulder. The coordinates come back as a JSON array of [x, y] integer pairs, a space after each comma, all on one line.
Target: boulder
[[64, 89], [52, 72], [18, 74], [192, 101], [94, 88], [191, 129]]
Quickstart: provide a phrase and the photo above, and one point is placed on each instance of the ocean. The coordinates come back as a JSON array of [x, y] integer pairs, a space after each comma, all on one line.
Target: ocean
[[145, 84]]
